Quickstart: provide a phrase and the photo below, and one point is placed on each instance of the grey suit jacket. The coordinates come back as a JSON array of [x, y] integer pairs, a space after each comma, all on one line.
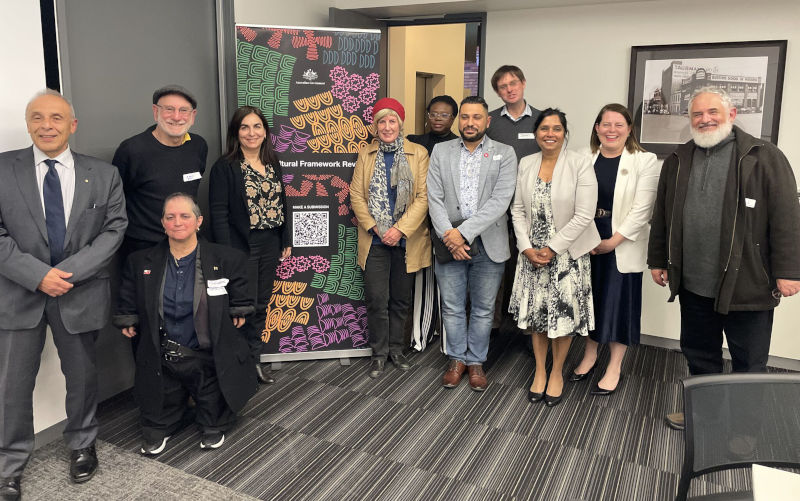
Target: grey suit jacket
[[498, 175], [94, 232]]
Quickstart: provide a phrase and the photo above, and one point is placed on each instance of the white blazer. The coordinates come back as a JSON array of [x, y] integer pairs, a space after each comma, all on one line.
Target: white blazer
[[573, 196], [634, 196]]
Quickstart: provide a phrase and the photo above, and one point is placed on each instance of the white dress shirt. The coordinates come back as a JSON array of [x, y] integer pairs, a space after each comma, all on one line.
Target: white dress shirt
[[65, 167]]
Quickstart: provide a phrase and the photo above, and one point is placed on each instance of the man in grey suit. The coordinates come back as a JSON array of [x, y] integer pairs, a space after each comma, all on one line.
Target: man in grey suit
[[471, 182], [62, 217]]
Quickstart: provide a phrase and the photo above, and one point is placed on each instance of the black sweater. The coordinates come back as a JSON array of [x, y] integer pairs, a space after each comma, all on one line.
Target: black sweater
[[151, 171], [430, 139]]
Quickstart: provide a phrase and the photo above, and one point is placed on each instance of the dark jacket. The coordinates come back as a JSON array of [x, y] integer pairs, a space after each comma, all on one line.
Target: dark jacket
[[760, 234], [227, 203], [429, 139], [140, 297]]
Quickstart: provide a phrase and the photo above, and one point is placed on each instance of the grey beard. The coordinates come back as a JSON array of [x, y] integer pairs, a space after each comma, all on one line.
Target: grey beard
[[711, 139]]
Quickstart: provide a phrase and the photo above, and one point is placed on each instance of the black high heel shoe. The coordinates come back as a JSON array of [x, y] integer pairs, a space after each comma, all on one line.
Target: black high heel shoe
[[596, 390], [534, 397], [551, 401], [574, 377]]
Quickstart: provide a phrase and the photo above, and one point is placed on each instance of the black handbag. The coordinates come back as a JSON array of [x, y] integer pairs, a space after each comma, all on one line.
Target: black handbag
[[440, 250]]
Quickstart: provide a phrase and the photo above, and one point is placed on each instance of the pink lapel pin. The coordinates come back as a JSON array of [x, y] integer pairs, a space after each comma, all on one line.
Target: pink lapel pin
[[486, 155], [146, 272]]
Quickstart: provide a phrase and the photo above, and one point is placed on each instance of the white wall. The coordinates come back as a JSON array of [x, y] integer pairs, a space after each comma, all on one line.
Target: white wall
[[578, 58], [21, 49], [307, 13]]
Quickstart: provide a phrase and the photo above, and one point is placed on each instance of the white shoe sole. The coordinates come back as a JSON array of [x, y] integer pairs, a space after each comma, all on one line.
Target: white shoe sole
[[159, 450], [204, 445]]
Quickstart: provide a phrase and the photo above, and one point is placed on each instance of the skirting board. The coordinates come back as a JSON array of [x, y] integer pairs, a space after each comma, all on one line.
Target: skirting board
[[673, 344], [50, 434]]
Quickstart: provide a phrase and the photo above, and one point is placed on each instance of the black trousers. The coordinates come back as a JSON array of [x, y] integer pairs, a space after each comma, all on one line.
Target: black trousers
[[193, 376], [265, 250], [748, 334], [387, 287]]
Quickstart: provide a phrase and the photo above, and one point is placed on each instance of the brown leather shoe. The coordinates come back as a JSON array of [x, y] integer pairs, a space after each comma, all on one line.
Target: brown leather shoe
[[676, 421], [453, 374], [477, 378]]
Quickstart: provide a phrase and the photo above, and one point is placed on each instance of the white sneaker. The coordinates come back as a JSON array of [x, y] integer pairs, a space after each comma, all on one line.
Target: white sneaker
[[212, 440], [151, 449]]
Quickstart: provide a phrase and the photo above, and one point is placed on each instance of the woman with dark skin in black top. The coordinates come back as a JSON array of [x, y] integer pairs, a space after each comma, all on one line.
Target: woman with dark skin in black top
[[442, 111], [441, 114]]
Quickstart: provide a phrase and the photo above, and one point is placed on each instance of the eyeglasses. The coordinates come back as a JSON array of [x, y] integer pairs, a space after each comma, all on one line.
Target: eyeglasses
[[443, 116], [171, 110]]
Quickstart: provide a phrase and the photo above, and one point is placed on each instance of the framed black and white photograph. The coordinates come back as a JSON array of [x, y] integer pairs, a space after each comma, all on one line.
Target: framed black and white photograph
[[663, 78]]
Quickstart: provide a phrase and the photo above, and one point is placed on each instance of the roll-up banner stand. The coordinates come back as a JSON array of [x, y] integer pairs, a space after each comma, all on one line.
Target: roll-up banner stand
[[316, 86]]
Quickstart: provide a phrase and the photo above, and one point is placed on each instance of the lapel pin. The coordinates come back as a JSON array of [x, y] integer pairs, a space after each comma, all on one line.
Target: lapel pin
[[216, 268], [146, 272], [85, 180], [486, 155]]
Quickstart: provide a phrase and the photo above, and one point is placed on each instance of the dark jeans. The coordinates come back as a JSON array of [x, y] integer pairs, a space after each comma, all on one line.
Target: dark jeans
[[387, 288], [503, 300], [193, 376], [265, 250], [748, 334]]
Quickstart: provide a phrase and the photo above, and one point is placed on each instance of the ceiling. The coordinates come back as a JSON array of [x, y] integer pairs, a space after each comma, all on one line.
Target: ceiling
[[414, 9]]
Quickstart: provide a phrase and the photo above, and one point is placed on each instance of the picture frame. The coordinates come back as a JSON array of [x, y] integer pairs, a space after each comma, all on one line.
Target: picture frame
[[663, 77]]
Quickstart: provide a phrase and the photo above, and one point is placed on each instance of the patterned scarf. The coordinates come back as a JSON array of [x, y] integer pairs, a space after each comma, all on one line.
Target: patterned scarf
[[402, 180]]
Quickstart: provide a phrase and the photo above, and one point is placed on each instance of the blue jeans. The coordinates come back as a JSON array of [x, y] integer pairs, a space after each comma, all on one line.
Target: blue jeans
[[480, 279]]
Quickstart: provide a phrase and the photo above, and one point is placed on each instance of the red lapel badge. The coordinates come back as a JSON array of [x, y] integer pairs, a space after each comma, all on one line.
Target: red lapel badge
[[146, 272]]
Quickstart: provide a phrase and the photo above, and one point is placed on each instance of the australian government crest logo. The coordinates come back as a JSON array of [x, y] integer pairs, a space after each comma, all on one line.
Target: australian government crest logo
[[309, 78]]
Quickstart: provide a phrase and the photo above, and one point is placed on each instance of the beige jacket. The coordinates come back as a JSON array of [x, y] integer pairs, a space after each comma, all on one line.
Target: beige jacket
[[574, 200], [413, 224], [634, 195]]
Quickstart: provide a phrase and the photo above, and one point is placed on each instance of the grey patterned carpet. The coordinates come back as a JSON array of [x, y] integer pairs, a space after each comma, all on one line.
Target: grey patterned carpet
[[329, 432]]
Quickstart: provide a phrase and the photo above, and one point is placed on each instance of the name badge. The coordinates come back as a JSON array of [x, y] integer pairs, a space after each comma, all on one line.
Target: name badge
[[217, 291], [192, 176], [749, 202], [220, 282], [526, 135], [497, 157]]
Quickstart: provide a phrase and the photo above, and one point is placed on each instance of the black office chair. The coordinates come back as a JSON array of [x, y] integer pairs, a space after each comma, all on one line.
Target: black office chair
[[735, 420]]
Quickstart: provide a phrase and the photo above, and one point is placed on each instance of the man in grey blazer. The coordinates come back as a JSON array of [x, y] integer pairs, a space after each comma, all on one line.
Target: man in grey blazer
[[471, 182], [62, 217]]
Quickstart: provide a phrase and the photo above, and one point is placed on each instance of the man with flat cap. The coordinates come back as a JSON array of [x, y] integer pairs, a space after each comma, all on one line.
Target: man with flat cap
[[62, 217], [163, 159]]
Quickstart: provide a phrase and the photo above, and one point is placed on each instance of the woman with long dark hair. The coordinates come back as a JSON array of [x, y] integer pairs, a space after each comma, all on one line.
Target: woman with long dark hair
[[248, 211]]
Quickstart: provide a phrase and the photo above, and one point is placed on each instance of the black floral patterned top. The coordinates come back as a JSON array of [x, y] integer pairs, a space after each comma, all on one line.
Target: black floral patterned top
[[263, 198]]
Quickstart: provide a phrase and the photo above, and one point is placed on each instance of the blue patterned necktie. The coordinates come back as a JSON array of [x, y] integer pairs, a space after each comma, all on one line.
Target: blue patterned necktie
[[54, 212]]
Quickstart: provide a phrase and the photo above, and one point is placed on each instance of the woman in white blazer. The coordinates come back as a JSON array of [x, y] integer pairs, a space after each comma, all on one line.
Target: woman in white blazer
[[553, 213], [627, 180]]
